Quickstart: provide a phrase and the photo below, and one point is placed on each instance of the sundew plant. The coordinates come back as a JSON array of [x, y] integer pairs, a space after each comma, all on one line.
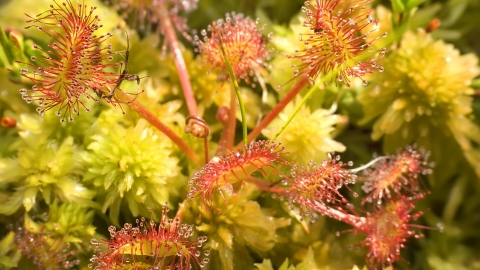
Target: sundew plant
[[238, 135]]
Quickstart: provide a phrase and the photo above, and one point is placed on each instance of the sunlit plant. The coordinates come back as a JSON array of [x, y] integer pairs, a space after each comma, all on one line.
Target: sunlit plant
[[335, 41], [161, 138], [72, 69], [147, 245]]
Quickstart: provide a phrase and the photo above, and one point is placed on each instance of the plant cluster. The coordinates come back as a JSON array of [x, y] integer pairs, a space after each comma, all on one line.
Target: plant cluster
[[228, 137]]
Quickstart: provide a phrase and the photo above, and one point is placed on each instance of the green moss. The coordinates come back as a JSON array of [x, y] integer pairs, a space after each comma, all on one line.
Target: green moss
[[131, 167]]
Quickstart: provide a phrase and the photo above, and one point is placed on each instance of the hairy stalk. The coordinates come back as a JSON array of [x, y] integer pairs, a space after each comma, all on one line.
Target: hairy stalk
[[265, 186], [240, 100], [152, 119], [172, 40], [277, 109], [205, 147], [320, 207], [223, 114], [355, 221]]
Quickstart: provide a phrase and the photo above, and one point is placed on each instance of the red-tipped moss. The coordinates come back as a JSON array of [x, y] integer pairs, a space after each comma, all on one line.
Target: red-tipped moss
[[147, 245], [334, 42], [222, 173], [72, 69], [242, 42], [398, 174]]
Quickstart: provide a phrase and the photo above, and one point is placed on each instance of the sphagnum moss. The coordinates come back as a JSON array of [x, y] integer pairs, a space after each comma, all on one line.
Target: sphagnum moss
[[57, 239], [260, 202], [139, 171], [424, 93], [310, 135], [55, 176]]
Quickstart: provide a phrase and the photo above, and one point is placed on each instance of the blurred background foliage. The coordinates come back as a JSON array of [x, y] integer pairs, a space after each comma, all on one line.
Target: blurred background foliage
[[454, 198]]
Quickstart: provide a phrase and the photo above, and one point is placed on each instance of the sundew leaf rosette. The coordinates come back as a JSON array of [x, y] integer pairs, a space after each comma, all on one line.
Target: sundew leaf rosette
[[243, 43], [334, 42], [74, 66], [167, 245]]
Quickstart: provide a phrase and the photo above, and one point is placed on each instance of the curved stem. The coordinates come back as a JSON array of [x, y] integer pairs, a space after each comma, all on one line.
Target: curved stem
[[152, 119], [369, 164], [199, 128], [223, 114], [242, 112], [239, 96], [232, 123], [299, 106], [355, 221], [323, 79], [277, 109], [172, 40]]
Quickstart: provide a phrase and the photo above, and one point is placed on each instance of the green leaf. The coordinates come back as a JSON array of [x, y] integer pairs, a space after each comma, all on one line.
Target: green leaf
[[6, 243], [285, 266], [456, 9], [398, 6], [422, 17], [475, 84], [414, 3], [3, 49], [7, 262], [265, 265]]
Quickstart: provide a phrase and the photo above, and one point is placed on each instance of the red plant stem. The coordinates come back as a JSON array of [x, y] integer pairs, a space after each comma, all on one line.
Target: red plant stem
[[265, 186], [152, 119], [180, 212], [223, 139], [205, 146], [355, 221], [222, 116], [172, 40], [276, 110], [232, 121]]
